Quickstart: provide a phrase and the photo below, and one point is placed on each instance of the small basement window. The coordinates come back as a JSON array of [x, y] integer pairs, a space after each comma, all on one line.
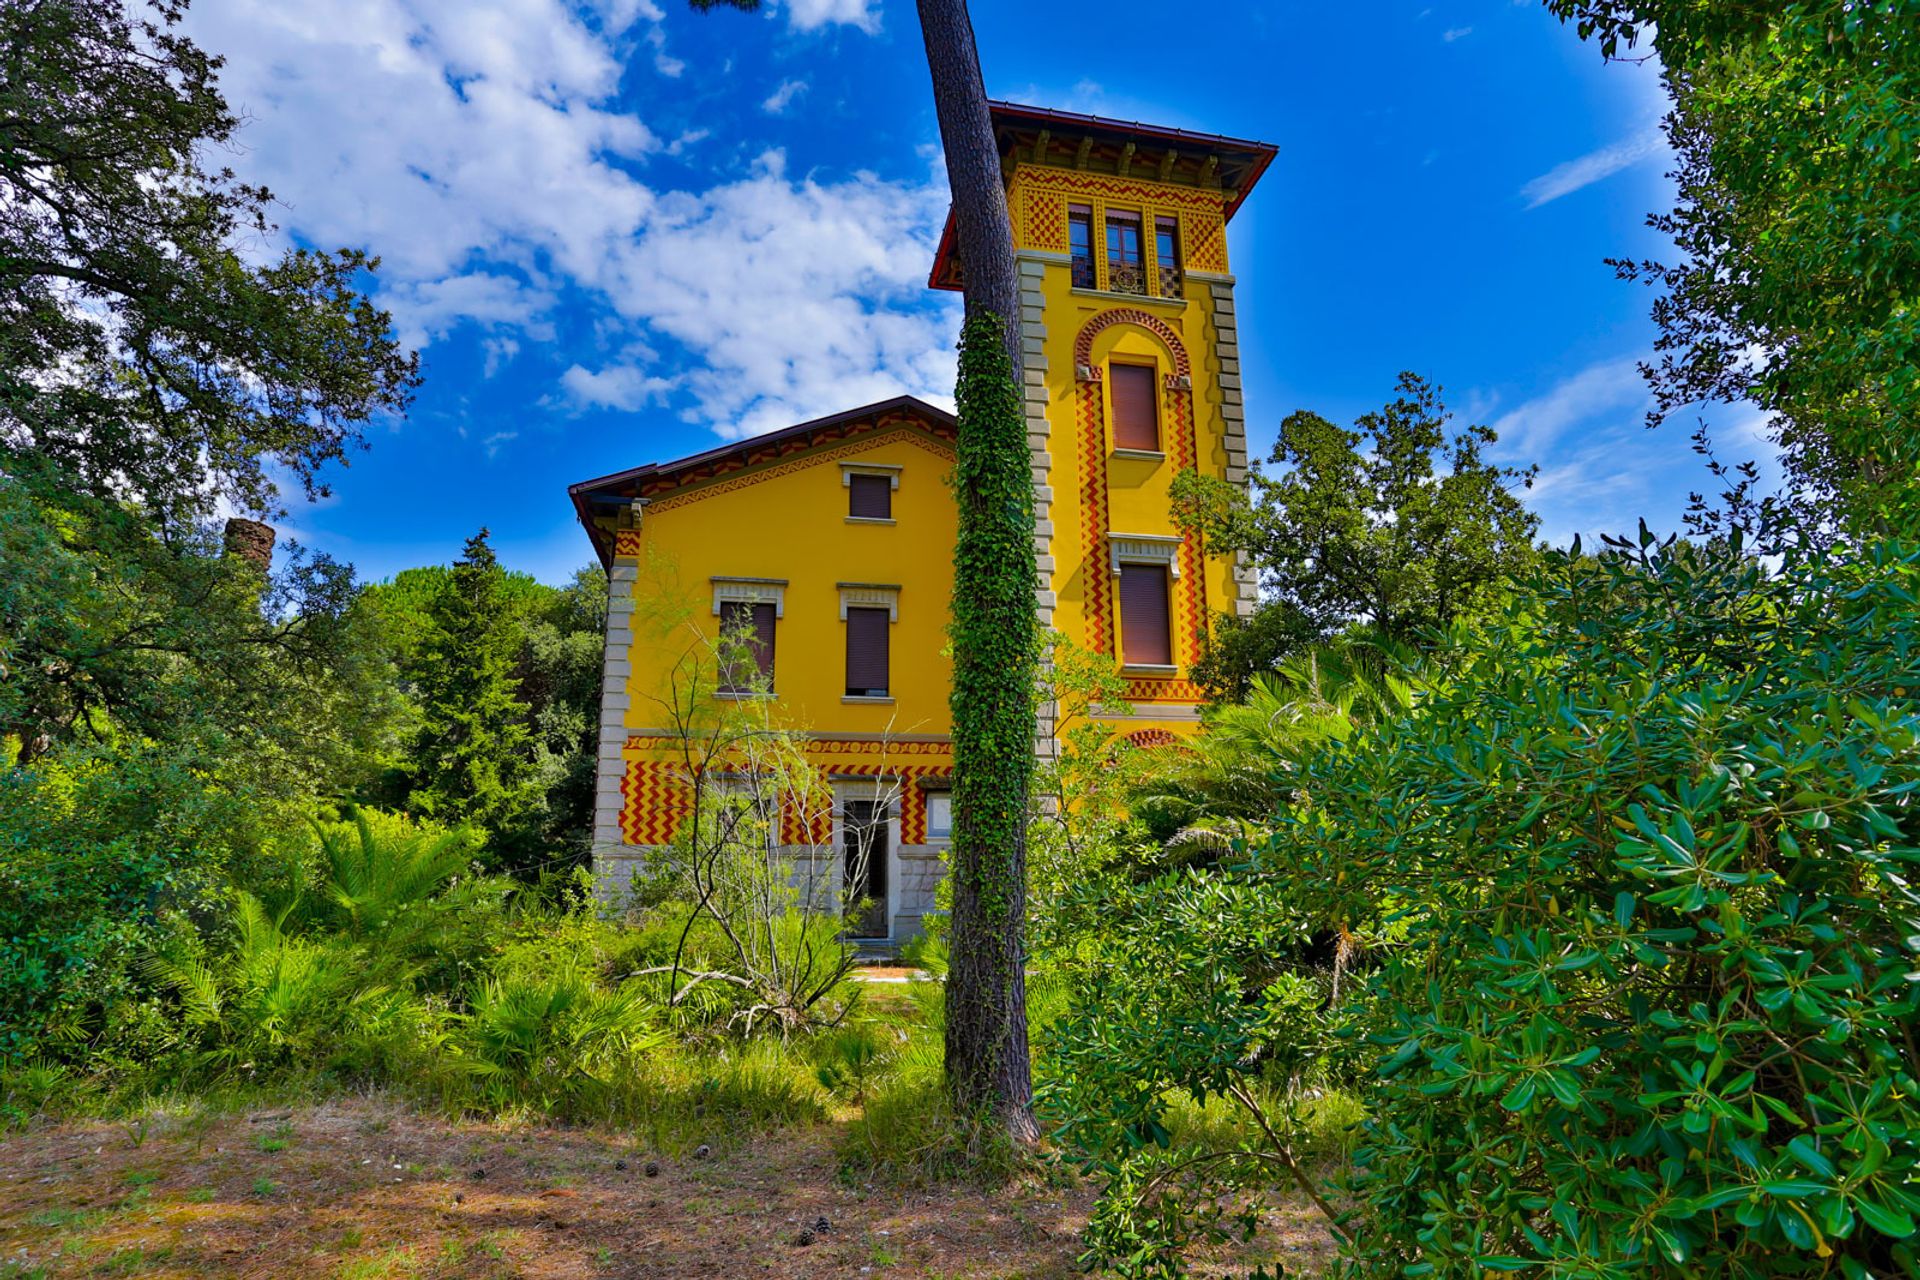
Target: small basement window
[[939, 817]]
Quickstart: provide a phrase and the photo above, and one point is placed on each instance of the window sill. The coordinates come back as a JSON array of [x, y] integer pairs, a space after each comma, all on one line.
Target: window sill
[[1148, 669], [735, 695], [1151, 299], [871, 520], [851, 697], [1142, 455]]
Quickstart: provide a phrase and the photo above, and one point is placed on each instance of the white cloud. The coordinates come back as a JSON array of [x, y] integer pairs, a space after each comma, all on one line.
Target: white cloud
[[497, 441], [484, 151], [1456, 33], [499, 352], [429, 309], [798, 294], [1564, 179], [615, 387], [807, 15], [691, 137], [780, 99], [1602, 469], [1612, 387], [441, 134]]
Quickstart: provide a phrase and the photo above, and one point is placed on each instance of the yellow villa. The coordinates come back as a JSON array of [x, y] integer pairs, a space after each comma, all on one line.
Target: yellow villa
[[831, 541]]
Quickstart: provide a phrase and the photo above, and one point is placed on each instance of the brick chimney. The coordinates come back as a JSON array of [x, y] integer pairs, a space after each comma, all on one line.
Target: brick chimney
[[250, 541]]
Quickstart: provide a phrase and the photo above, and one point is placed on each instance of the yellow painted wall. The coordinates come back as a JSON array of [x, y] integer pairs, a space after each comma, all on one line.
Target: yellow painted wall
[[793, 524], [1136, 489]]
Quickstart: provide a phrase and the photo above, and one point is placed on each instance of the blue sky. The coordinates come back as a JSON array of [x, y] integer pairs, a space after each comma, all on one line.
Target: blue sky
[[623, 231]]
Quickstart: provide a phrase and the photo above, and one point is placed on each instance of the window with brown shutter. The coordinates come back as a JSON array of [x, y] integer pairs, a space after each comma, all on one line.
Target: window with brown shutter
[[866, 653], [1146, 624], [753, 623], [1136, 410], [870, 497]]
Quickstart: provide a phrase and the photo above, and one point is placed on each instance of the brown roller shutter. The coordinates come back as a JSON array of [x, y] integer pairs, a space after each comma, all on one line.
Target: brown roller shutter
[[737, 615], [1146, 632], [870, 497], [763, 640], [867, 653], [1136, 418]]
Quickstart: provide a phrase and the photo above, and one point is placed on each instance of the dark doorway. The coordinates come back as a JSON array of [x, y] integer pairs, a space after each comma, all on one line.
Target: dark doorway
[[863, 840]]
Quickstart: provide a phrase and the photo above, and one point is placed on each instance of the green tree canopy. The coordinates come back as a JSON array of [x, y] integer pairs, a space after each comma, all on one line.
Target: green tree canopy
[[144, 355], [500, 675], [1797, 228], [1393, 524]]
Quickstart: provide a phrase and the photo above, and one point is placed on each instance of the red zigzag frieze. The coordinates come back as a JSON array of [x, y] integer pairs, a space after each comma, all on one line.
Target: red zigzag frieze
[[1093, 515], [655, 798], [1193, 592]]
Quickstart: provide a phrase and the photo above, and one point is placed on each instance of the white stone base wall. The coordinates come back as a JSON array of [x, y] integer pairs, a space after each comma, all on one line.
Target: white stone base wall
[[916, 872]]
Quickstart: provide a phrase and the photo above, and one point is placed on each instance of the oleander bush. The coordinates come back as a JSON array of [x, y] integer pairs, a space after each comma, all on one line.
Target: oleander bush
[[1634, 990]]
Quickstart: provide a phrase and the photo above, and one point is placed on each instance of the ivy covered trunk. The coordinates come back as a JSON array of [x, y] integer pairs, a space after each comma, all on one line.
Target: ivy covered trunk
[[995, 636], [995, 653]]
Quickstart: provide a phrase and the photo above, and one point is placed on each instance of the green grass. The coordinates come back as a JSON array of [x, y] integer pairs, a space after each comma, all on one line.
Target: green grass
[[382, 1266], [68, 1219]]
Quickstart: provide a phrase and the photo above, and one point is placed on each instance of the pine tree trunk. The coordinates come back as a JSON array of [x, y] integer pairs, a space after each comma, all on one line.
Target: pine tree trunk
[[983, 229], [987, 1062]]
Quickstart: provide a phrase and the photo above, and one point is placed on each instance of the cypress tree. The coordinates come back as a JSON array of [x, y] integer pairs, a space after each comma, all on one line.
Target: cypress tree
[[471, 757]]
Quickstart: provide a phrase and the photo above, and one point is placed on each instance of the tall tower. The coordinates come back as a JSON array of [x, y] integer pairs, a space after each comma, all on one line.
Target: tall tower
[[1132, 375]]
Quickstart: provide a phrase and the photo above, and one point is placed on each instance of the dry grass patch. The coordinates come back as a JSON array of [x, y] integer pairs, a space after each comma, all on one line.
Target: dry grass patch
[[374, 1190]]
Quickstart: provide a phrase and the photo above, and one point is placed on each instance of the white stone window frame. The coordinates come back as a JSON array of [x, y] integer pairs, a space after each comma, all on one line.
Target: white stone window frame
[[891, 470], [771, 591], [1144, 548], [870, 595]]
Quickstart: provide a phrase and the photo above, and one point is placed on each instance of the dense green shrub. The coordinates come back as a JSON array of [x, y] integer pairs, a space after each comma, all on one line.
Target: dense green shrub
[[1655, 1011], [267, 1001], [1636, 874], [1185, 1068], [553, 1039], [105, 855]]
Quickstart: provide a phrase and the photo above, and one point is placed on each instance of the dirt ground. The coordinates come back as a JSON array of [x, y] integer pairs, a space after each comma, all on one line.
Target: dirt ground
[[363, 1189]]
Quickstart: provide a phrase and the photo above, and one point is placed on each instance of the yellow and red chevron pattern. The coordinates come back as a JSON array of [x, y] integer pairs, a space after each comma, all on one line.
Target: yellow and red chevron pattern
[[1043, 220], [1093, 514], [1164, 691], [1153, 738], [1193, 579], [656, 799], [1080, 185], [654, 802], [1206, 239]]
